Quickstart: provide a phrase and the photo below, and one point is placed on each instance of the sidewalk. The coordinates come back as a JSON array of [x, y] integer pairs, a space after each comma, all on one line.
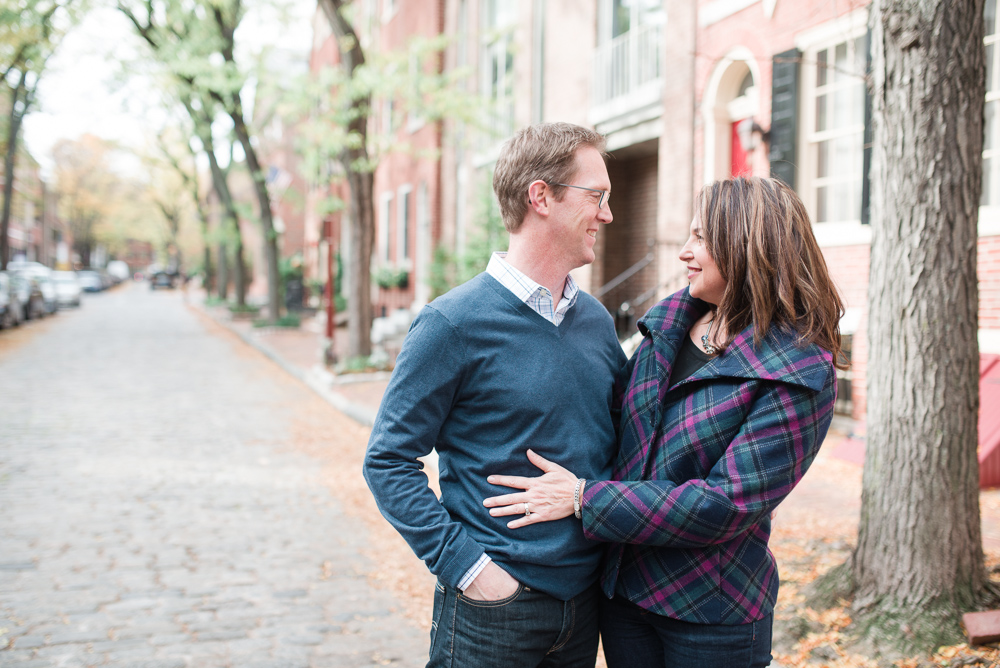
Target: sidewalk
[[826, 503]]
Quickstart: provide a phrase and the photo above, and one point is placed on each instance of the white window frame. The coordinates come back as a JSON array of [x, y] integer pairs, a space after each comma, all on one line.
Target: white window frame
[[810, 43], [389, 9], [384, 214], [989, 216], [496, 43], [414, 120], [403, 236]]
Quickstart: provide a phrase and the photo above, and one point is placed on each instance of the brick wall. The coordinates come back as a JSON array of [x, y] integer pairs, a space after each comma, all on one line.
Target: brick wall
[[848, 266], [989, 282]]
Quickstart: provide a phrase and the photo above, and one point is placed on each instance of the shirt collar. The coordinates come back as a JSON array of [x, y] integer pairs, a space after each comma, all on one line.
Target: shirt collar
[[520, 283]]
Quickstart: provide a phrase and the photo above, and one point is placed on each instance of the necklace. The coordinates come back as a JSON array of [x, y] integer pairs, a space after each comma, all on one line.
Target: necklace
[[709, 348]]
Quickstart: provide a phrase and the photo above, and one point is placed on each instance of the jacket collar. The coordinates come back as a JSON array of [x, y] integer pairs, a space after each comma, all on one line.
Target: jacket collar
[[778, 357]]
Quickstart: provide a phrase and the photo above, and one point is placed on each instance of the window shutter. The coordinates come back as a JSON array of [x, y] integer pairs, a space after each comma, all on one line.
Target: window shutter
[[784, 115], [869, 137]]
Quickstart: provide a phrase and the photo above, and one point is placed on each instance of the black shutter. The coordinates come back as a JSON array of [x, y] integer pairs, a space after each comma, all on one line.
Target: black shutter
[[784, 115], [869, 137]]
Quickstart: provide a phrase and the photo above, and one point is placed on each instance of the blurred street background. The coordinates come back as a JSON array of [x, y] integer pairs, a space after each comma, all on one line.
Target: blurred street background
[[170, 498]]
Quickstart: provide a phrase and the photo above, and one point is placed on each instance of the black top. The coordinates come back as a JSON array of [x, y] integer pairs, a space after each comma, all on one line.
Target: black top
[[689, 359]]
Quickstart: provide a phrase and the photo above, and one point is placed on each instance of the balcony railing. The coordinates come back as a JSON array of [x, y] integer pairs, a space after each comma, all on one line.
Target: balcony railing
[[627, 64]]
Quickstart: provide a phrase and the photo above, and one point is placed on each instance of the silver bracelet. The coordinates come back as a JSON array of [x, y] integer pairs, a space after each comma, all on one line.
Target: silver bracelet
[[576, 498]]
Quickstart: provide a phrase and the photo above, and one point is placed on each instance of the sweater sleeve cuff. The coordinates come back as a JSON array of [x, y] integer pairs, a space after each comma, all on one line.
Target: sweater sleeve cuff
[[467, 557]]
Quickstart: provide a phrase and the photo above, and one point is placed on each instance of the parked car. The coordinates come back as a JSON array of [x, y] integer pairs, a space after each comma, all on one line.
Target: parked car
[[119, 270], [42, 275], [68, 288], [29, 294], [90, 280], [10, 306], [48, 288], [161, 279]]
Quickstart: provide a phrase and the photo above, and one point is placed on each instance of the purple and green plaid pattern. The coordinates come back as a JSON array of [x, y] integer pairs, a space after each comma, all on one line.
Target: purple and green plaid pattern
[[702, 464]]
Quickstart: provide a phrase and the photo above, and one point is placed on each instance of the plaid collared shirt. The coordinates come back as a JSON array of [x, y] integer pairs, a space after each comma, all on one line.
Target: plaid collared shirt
[[536, 296]]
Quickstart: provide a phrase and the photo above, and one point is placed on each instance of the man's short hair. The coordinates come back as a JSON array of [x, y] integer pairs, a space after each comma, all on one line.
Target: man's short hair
[[543, 152]]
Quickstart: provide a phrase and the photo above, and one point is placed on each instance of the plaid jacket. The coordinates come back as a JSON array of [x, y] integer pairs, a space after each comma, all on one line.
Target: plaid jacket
[[701, 465]]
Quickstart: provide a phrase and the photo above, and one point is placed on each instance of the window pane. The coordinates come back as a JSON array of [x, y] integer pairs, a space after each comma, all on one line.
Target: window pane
[[843, 108], [860, 56], [820, 113], [990, 69], [621, 17], [840, 62], [821, 213], [987, 197], [846, 155], [821, 68], [989, 121], [858, 105], [822, 159], [844, 201], [990, 16]]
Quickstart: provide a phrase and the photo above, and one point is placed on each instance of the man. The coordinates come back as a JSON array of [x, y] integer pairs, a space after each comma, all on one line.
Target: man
[[516, 358]]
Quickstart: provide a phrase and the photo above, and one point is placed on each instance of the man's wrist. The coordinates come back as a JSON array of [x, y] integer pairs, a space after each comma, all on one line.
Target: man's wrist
[[471, 574]]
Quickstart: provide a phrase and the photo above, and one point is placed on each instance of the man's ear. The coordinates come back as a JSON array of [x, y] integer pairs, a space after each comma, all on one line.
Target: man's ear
[[539, 197]]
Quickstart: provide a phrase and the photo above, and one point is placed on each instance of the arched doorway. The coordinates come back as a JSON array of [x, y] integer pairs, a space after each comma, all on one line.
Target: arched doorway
[[731, 101]]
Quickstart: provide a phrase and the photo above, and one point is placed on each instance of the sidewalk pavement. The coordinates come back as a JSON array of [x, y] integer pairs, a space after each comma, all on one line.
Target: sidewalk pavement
[[300, 351]]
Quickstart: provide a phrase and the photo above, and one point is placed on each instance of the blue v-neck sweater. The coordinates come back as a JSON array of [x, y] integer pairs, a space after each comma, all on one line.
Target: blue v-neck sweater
[[481, 378]]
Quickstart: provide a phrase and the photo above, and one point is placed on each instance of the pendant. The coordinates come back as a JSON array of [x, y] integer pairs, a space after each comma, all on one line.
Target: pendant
[[709, 348]]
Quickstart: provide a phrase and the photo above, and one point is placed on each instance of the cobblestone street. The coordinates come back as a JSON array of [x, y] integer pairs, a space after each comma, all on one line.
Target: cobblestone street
[[166, 502]]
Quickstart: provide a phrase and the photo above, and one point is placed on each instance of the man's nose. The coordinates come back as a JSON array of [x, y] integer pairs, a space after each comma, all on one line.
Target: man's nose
[[605, 215]]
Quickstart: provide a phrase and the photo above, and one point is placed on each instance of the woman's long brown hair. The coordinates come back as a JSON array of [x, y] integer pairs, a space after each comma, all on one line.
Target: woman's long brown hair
[[758, 232]]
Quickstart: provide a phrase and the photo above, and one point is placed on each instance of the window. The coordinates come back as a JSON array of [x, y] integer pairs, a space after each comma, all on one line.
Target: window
[[414, 120], [630, 41], [382, 234], [991, 167], [627, 15], [496, 66], [403, 224], [388, 9], [835, 124]]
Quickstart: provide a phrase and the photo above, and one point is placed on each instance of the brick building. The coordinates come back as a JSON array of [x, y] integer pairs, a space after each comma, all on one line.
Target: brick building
[[686, 92]]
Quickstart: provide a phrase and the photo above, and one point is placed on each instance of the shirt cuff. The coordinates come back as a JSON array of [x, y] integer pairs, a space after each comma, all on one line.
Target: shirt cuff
[[473, 572]]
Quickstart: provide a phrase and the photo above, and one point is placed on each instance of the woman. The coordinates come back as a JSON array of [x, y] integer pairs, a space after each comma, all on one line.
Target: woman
[[728, 399]]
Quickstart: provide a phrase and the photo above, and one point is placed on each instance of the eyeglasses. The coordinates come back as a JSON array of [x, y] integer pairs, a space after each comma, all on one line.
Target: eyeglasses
[[604, 193]]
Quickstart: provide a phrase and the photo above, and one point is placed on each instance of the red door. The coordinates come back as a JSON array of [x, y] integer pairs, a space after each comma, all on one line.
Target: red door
[[740, 161]]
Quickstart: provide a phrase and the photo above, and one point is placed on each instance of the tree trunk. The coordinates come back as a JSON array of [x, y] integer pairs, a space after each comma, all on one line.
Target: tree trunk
[[919, 559], [361, 183], [207, 261], [223, 280], [233, 105], [10, 159], [359, 306], [264, 204]]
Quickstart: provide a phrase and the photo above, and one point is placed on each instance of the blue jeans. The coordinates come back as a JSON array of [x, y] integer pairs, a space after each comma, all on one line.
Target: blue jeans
[[637, 638], [526, 630]]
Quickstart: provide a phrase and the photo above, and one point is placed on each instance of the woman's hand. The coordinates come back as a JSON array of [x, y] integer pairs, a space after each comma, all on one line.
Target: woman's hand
[[548, 497]]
